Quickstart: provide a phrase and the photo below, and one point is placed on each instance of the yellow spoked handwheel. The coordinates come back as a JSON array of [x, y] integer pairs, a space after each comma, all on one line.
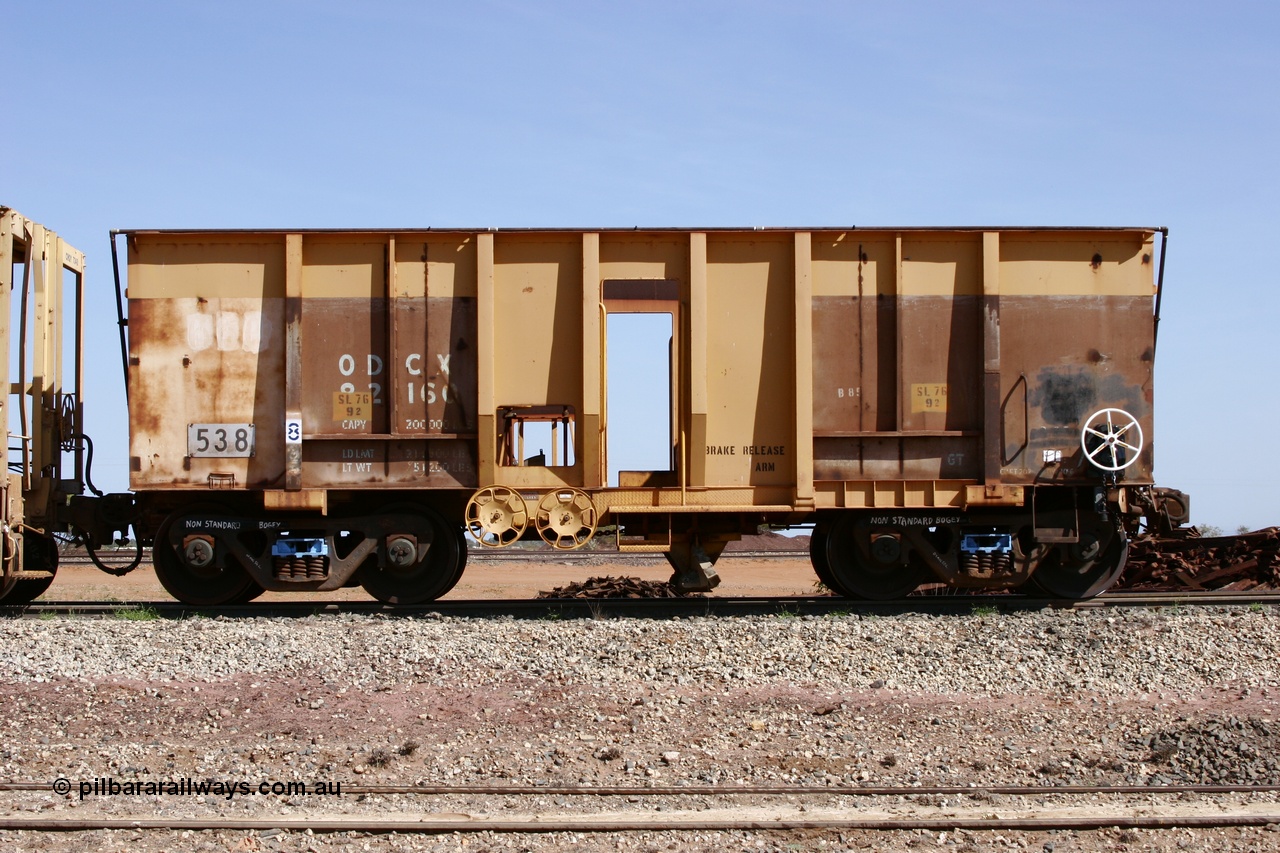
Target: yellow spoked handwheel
[[497, 516], [565, 518]]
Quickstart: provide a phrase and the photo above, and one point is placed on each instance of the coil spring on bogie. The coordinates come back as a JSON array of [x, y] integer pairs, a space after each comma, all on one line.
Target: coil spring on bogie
[[301, 567], [985, 563]]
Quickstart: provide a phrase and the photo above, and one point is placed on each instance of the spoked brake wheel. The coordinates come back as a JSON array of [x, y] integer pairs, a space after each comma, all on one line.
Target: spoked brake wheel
[[1111, 439]]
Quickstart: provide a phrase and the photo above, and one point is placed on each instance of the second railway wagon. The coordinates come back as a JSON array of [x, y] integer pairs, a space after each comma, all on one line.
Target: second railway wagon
[[314, 409]]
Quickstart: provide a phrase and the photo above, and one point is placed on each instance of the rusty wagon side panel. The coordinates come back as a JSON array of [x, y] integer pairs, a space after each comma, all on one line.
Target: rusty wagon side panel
[[248, 329], [944, 361], [398, 352], [813, 374]]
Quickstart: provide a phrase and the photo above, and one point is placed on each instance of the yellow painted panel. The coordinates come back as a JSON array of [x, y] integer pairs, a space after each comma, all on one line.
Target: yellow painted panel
[[338, 265], [240, 266], [836, 267], [941, 264], [644, 256], [1063, 263], [444, 262], [750, 360], [865, 494], [537, 303]]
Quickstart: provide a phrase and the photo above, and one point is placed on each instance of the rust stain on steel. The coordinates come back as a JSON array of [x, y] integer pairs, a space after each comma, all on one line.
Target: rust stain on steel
[[433, 375], [942, 346], [1243, 562], [344, 463], [344, 349], [1054, 376], [854, 364], [408, 463], [204, 360], [908, 383]]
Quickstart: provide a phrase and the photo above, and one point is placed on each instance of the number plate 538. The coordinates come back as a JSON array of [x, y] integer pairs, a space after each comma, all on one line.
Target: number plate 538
[[220, 440]]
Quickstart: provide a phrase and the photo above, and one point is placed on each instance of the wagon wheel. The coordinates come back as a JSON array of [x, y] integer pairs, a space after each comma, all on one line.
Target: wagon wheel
[[860, 571], [818, 557], [496, 516], [460, 565], [199, 585], [39, 554], [565, 518], [407, 577], [1111, 439], [252, 591], [1086, 568]]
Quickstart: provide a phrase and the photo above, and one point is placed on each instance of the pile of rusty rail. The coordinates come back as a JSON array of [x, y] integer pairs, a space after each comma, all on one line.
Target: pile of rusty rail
[[1242, 562], [611, 587]]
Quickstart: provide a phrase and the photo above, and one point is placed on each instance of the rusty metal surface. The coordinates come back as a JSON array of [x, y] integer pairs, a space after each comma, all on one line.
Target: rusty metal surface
[[432, 372], [410, 344], [1238, 563], [854, 364], [1065, 357], [344, 366], [208, 345], [204, 360], [615, 587]]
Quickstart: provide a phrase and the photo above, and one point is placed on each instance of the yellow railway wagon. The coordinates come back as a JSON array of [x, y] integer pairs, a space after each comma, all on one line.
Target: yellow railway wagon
[[41, 299], [964, 405]]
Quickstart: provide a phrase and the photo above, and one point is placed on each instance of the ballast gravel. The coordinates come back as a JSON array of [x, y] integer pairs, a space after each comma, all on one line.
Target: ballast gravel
[[1048, 698]]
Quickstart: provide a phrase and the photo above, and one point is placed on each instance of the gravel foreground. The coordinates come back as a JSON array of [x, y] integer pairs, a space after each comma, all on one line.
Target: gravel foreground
[[1049, 698]]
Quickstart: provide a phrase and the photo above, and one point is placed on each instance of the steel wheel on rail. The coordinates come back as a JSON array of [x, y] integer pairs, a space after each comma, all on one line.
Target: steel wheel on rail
[[39, 554], [1086, 568], [408, 578], [818, 557], [461, 565], [203, 586], [252, 591], [861, 570]]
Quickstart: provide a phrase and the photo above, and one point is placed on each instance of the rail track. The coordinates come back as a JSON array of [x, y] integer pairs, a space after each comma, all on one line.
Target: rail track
[[652, 608], [767, 790], [662, 821], [489, 556], [913, 808]]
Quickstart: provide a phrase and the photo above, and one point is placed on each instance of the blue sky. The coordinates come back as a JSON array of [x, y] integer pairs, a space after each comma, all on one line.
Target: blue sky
[[386, 114]]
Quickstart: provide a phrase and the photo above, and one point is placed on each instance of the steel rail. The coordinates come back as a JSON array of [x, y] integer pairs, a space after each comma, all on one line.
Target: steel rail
[[490, 555], [500, 556], [768, 790], [658, 822], [652, 608]]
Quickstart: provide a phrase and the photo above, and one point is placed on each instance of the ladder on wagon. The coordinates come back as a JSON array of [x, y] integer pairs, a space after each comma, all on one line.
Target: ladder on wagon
[[42, 416]]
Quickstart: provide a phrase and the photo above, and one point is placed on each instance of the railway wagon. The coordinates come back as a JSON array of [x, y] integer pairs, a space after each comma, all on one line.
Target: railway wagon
[[41, 299], [316, 408]]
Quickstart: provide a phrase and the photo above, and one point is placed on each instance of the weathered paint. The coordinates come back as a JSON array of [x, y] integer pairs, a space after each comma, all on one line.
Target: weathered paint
[[825, 367]]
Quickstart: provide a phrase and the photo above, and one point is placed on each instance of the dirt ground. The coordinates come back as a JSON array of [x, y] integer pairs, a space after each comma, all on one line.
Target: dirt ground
[[843, 701], [482, 580]]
